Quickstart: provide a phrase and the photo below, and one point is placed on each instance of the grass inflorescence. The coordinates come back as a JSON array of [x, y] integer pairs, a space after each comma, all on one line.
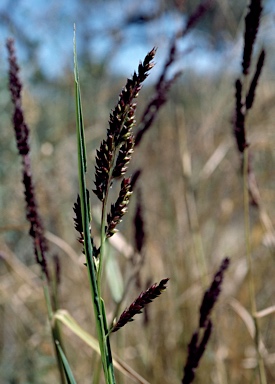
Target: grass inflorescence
[[36, 231], [245, 95], [136, 307], [201, 336], [169, 237], [22, 132]]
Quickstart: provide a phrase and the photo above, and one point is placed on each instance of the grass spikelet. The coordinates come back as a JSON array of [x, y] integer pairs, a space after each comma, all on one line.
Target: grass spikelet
[[212, 294], [78, 217], [252, 89], [78, 220], [136, 307], [201, 336], [239, 124], [196, 349], [123, 158], [252, 21], [119, 208], [104, 160]]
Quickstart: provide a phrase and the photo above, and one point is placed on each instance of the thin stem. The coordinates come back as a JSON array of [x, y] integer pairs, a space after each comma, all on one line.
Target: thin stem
[[190, 202], [253, 305], [192, 213], [92, 276], [56, 335], [98, 305], [55, 331]]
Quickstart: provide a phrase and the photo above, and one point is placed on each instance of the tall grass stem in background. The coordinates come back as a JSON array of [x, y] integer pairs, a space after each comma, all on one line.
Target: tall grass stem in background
[[244, 96], [36, 231], [203, 332], [191, 204], [251, 285]]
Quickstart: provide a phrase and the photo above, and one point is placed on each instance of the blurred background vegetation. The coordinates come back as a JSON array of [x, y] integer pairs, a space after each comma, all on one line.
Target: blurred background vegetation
[[191, 185]]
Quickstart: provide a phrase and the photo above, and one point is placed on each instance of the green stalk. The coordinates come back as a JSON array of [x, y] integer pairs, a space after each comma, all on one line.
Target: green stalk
[[98, 305], [253, 305], [55, 331], [56, 335], [68, 372]]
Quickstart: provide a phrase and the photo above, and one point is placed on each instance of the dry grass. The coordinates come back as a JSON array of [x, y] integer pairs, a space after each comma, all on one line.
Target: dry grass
[[189, 154], [157, 351]]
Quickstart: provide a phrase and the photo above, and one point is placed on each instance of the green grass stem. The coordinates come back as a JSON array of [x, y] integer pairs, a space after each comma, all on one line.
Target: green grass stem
[[253, 306], [98, 304]]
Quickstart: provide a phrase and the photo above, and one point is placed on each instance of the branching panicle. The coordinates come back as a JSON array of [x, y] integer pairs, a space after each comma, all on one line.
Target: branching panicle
[[121, 123], [252, 21], [119, 209], [122, 118], [119, 134], [22, 140], [136, 307]]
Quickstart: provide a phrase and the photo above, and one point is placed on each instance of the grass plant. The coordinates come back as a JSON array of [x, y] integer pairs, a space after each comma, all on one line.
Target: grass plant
[[36, 228], [179, 228], [245, 94]]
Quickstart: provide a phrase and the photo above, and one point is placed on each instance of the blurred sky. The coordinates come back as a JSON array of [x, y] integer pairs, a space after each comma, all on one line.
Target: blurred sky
[[103, 31]]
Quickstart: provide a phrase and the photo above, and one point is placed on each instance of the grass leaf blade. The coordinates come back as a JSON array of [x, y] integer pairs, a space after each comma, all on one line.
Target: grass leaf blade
[[64, 317], [105, 351], [68, 372]]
